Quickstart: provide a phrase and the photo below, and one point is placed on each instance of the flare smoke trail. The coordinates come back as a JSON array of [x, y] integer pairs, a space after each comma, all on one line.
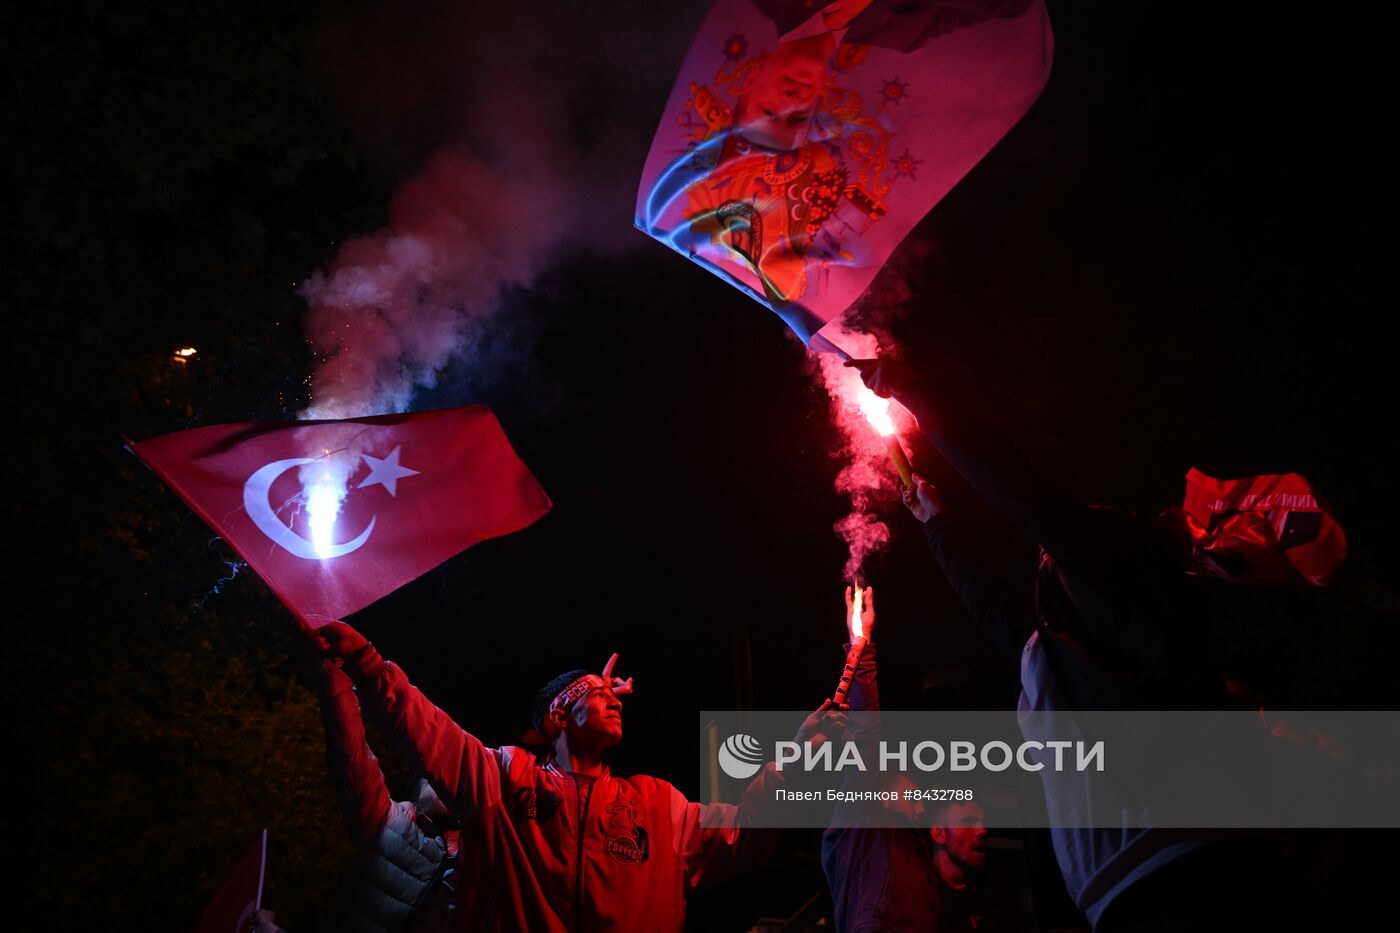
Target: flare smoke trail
[[524, 165], [867, 477], [394, 307], [531, 167]]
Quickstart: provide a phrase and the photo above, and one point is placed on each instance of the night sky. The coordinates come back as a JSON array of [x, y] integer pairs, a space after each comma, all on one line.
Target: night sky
[[1181, 257]]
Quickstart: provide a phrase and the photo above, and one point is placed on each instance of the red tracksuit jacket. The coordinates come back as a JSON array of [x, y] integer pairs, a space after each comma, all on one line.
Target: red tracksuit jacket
[[543, 850]]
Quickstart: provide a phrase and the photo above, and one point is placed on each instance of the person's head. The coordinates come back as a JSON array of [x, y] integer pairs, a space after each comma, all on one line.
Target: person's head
[[783, 96], [960, 838], [433, 816], [578, 711]]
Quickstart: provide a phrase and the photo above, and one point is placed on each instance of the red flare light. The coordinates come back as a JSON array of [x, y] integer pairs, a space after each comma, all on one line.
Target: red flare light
[[877, 411], [858, 639]]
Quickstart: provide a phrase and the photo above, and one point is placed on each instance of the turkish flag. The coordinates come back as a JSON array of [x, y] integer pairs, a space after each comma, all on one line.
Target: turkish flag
[[417, 489], [241, 895]]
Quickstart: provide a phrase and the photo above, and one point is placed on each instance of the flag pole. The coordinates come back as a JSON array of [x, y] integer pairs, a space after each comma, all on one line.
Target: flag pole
[[262, 870], [825, 345]]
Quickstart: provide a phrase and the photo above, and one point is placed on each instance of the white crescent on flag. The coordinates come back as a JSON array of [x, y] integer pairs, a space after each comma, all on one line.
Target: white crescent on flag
[[258, 503]]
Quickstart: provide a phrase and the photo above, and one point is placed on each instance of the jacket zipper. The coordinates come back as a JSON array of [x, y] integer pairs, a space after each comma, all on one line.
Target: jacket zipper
[[584, 801]]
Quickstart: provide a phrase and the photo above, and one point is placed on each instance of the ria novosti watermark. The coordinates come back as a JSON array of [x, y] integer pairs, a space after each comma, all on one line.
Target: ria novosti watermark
[[926, 756], [1109, 770]]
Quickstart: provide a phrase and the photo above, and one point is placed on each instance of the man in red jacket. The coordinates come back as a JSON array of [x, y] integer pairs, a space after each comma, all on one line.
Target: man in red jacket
[[558, 843]]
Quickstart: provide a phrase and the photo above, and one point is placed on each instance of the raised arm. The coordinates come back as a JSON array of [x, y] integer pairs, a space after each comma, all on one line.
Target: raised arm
[[864, 696], [999, 603], [1116, 578], [863, 723], [359, 782], [460, 768], [716, 841], [1069, 530]]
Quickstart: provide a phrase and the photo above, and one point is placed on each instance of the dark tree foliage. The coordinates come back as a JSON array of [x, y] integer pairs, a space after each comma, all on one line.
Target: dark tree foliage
[[173, 169]]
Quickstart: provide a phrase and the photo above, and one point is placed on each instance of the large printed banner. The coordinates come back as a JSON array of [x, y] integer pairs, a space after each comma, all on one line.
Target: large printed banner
[[801, 144]]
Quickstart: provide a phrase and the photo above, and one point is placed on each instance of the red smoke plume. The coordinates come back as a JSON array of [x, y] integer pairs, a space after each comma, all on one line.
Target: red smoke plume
[[867, 478], [394, 307], [525, 161]]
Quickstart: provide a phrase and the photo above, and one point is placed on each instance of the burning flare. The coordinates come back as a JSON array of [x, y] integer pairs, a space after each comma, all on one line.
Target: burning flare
[[877, 411], [863, 476], [857, 604], [324, 485], [323, 499], [858, 639]]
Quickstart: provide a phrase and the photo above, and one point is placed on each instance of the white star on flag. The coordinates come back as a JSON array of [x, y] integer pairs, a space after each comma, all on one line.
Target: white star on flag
[[385, 472]]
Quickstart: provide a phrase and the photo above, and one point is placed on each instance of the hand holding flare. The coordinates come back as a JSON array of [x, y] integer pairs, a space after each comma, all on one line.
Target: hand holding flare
[[860, 619]]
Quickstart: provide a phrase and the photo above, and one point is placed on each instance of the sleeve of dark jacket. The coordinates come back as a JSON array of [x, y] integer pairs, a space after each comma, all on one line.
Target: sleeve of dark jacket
[[1111, 565], [1068, 530], [999, 601]]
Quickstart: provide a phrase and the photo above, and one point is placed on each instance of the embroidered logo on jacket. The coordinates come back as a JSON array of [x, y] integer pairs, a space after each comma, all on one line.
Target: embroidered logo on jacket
[[627, 838], [532, 806]]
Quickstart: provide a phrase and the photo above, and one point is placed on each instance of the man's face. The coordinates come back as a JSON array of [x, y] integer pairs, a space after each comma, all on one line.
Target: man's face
[[596, 718], [962, 834]]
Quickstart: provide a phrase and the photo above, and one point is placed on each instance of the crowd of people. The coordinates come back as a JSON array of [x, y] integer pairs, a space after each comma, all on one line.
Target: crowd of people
[[544, 837]]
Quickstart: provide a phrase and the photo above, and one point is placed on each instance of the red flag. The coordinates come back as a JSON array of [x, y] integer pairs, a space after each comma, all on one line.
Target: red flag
[[417, 488], [1268, 529], [241, 895], [802, 141]]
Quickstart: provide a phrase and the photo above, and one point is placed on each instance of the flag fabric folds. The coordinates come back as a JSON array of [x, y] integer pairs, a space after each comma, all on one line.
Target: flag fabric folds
[[334, 515], [241, 895], [800, 144], [1270, 529]]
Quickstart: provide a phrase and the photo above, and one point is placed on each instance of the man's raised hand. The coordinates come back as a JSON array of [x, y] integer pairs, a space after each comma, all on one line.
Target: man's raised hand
[[619, 686], [357, 655], [867, 613], [884, 377]]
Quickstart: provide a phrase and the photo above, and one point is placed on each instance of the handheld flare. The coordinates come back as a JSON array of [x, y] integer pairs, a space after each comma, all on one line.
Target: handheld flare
[[325, 483], [877, 412], [848, 672], [901, 460]]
